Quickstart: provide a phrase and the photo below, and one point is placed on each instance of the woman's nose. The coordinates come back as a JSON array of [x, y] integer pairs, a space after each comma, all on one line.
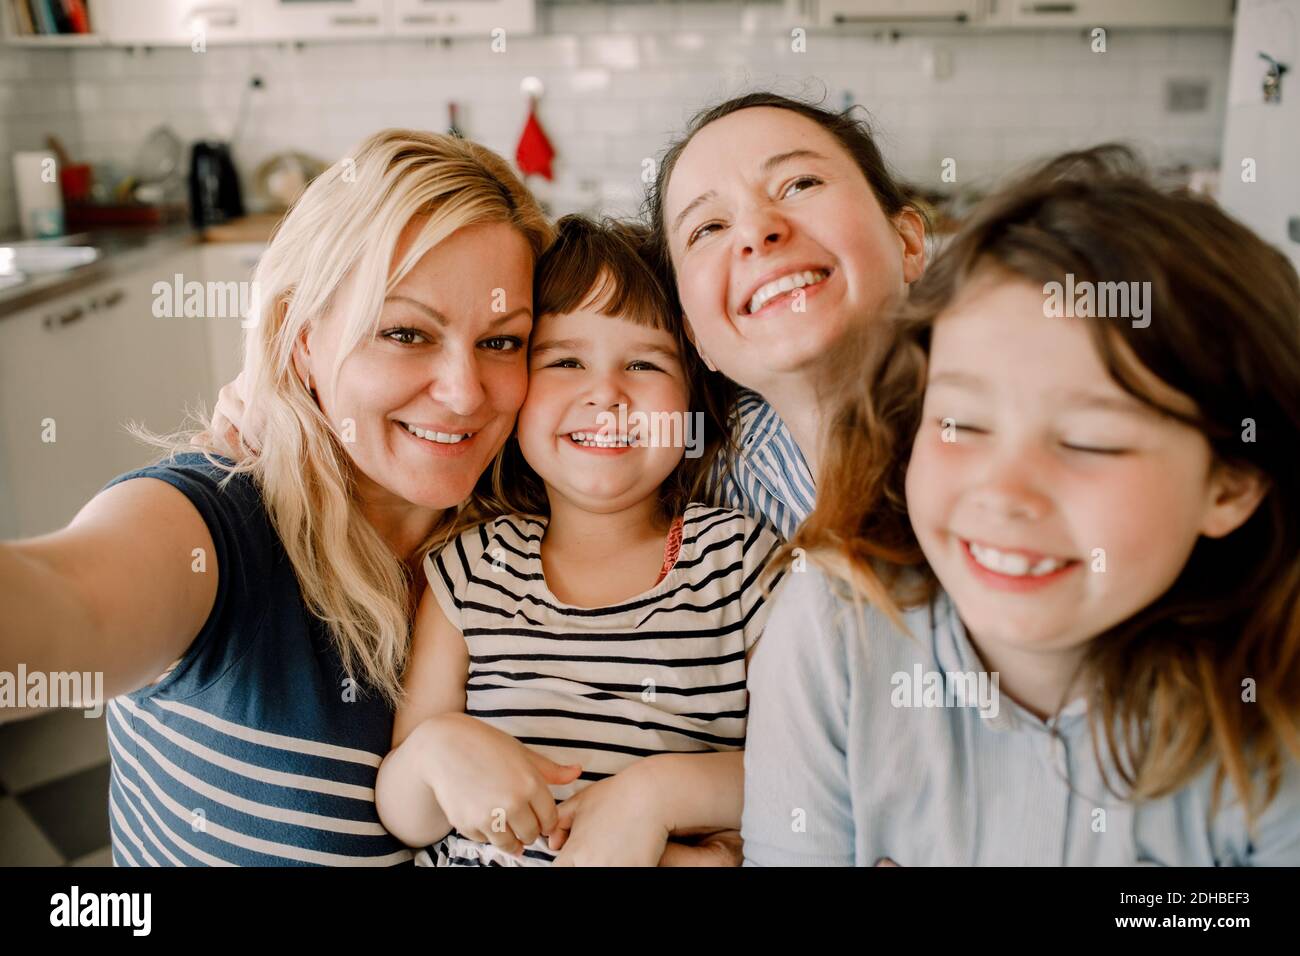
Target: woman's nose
[[759, 230], [457, 384]]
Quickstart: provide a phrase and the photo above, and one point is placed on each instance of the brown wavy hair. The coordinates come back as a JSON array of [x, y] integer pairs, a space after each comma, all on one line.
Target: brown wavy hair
[[609, 262], [1167, 683]]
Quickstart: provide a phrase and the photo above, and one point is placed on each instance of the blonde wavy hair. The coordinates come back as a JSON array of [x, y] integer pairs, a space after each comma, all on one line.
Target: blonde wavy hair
[[345, 226]]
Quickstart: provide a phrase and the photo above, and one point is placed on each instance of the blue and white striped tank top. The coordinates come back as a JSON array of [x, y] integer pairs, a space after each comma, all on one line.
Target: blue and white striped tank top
[[253, 750]]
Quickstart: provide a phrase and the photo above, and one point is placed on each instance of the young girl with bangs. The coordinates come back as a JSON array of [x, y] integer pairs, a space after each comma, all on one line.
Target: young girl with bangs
[[1052, 609], [576, 689]]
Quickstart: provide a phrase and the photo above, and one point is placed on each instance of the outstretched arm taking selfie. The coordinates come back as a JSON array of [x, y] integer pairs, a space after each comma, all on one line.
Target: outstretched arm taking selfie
[[115, 592]]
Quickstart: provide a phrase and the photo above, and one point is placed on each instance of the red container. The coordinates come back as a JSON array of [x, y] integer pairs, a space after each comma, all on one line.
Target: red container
[[75, 180]]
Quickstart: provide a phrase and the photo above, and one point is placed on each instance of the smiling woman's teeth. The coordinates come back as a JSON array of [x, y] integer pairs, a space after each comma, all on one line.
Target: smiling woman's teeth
[[795, 280], [1013, 565], [593, 440], [442, 438]]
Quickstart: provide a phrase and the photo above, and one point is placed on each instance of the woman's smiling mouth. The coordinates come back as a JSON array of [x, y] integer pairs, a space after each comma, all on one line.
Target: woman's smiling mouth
[[439, 442], [784, 287]]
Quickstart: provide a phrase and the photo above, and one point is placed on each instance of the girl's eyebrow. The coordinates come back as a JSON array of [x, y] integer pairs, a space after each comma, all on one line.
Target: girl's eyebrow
[[768, 165], [1072, 399], [1107, 403], [557, 345], [573, 345], [666, 350]]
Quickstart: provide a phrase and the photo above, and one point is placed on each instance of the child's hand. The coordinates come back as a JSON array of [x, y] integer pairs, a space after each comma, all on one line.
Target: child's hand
[[611, 823], [232, 423], [491, 787]]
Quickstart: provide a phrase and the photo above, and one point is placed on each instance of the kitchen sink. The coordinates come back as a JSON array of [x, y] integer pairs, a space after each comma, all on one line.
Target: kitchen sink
[[30, 258]]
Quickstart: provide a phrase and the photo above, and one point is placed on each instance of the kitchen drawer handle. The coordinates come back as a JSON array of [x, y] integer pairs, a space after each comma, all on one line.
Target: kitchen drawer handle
[[417, 18], [900, 18], [354, 21], [67, 318], [230, 18], [1048, 8]]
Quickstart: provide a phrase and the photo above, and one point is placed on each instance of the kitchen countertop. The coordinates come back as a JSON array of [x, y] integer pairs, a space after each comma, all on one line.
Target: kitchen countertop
[[125, 250], [120, 251]]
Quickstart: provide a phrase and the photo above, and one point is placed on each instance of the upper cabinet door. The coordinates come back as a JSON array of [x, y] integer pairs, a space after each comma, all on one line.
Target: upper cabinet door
[[1114, 13], [462, 17], [890, 12], [172, 22], [319, 19]]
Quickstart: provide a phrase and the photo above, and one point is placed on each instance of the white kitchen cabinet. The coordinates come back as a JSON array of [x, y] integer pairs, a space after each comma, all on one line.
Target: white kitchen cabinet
[[294, 20], [1038, 14], [172, 22], [833, 13], [1010, 14], [51, 361], [227, 262], [88, 363], [162, 363], [461, 17]]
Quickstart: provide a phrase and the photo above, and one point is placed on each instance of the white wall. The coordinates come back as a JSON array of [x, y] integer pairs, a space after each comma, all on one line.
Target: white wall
[[620, 79], [1262, 140]]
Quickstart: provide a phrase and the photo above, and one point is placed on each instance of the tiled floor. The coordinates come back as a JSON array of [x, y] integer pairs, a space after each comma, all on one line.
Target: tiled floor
[[54, 791]]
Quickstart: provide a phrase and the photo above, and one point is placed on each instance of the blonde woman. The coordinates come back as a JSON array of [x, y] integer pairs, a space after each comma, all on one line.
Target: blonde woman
[[274, 594]]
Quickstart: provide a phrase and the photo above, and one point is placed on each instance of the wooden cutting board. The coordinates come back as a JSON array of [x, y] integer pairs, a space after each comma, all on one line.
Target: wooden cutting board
[[256, 227]]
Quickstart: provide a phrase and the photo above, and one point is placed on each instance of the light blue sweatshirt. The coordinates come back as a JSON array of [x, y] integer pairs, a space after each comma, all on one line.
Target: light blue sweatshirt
[[848, 761]]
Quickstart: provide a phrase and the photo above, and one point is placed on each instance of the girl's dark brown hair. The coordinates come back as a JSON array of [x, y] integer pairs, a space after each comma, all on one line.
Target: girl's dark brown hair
[[608, 262], [1224, 330]]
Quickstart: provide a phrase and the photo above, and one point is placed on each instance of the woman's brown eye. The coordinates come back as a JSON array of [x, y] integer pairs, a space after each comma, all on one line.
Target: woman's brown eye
[[698, 233], [809, 180]]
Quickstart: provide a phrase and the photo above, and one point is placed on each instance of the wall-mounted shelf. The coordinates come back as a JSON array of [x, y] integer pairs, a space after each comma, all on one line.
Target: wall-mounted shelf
[[16, 34], [131, 23]]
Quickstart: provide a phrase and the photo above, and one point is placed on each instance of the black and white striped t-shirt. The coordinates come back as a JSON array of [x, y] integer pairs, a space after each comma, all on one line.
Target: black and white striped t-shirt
[[602, 687]]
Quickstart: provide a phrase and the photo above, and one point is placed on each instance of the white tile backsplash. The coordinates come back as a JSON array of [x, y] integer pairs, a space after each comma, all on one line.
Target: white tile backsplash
[[37, 100], [621, 79]]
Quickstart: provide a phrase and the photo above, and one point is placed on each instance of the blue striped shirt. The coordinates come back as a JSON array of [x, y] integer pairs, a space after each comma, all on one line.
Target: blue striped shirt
[[841, 768], [252, 750], [768, 476]]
